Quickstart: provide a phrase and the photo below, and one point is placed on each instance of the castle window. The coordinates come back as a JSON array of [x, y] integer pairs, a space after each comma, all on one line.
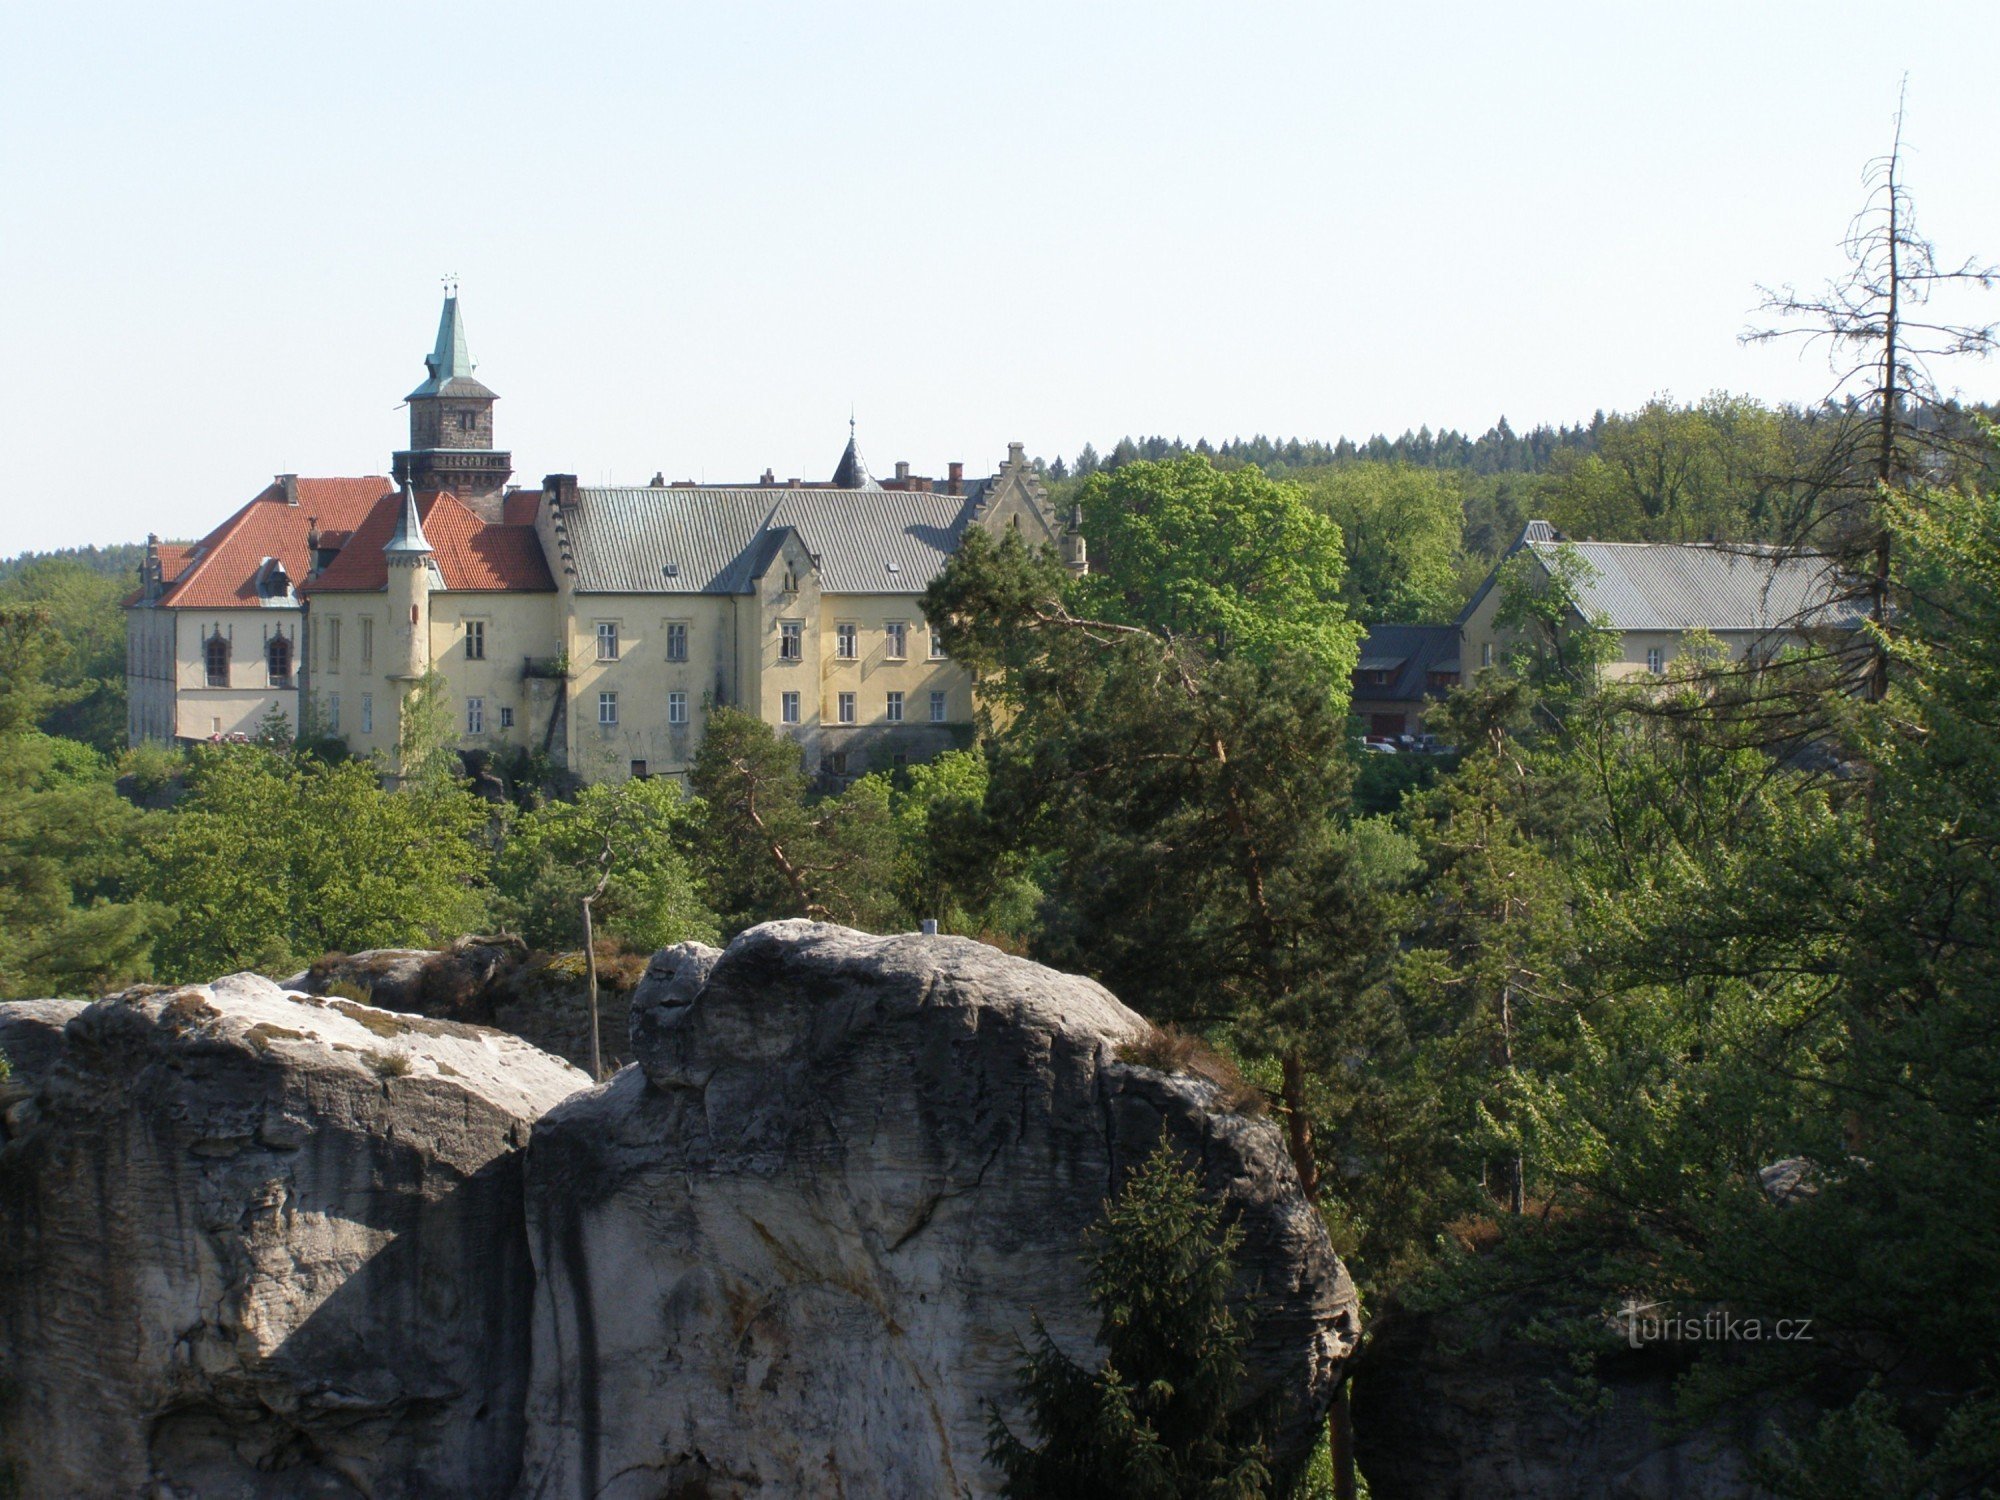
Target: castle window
[[847, 708], [1485, 653], [607, 640], [367, 640], [639, 771], [843, 641], [333, 713], [467, 421], [677, 708], [506, 717], [893, 711], [607, 710], [278, 661], [677, 640], [215, 661], [475, 716], [937, 708], [367, 713], [333, 642], [788, 707], [899, 639], [475, 640], [937, 645], [791, 640], [1656, 659]]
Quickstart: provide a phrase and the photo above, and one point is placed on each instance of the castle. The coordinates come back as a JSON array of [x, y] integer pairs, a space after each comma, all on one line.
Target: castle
[[596, 626]]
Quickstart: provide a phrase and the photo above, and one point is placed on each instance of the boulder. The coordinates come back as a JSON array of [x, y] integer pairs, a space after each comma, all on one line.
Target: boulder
[[264, 1245], [797, 1248]]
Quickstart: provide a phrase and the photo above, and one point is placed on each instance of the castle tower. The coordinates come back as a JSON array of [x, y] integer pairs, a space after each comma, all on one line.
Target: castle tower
[[408, 555], [451, 421]]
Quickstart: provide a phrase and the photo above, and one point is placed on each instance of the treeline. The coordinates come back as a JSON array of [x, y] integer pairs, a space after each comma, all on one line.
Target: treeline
[[1498, 450], [120, 560], [1723, 469]]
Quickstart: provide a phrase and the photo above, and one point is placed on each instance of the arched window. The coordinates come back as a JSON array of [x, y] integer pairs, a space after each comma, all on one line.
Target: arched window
[[215, 658], [278, 657]]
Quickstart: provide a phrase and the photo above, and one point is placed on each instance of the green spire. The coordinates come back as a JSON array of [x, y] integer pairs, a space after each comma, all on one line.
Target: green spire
[[451, 358], [450, 363]]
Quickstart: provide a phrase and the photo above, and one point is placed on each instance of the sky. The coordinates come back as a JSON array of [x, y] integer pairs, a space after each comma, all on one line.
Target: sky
[[693, 238]]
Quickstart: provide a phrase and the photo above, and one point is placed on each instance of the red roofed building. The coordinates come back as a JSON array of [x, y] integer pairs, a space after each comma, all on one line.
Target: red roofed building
[[433, 579], [597, 626], [212, 637]]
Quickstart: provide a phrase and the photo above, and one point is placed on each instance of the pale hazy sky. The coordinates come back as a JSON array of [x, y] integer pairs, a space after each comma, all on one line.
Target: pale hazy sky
[[689, 236]]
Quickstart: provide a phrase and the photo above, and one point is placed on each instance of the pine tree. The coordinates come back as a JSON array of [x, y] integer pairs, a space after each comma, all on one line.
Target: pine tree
[[1158, 1417]]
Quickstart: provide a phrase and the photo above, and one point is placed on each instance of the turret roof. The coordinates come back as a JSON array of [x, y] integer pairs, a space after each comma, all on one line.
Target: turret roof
[[450, 363], [409, 533]]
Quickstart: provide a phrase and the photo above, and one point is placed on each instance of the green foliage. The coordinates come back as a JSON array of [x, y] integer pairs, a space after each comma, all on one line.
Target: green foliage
[[1159, 1417], [633, 830], [768, 848], [1187, 808], [85, 674], [1240, 563], [1726, 469], [1402, 529], [69, 923], [1559, 644], [427, 733], [271, 861], [950, 864]]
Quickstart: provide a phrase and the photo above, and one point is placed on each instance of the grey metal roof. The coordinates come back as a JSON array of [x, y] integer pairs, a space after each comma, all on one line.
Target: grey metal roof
[[716, 538], [1708, 586], [851, 473], [409, 533], [1410, 653]]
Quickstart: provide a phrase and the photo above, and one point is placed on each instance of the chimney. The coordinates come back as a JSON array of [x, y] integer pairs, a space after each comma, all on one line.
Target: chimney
[[768, 478], [903, 470], [659, 480], [560, 489], [288, 486], [954, 478], [1015, 457], [795, 483]]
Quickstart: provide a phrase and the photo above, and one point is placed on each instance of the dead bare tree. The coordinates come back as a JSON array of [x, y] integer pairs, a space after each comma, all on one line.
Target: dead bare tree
[[1882, 342]]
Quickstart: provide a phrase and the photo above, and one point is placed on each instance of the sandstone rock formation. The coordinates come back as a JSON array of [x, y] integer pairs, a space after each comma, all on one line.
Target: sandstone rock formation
[[540, 997], [254, 1244], [792, 1252]]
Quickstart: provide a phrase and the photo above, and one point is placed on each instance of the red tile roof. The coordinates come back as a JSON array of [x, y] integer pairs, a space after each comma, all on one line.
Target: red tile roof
[[220, 571], [471, 554], [519, 507], [173, 557]]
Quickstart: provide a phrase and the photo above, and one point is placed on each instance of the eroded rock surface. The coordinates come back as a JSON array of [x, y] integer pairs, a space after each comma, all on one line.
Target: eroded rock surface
[[261, 1245], [794, 1250]]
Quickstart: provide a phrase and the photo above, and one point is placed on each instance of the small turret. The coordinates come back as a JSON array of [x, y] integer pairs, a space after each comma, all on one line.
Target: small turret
[[408, 555]]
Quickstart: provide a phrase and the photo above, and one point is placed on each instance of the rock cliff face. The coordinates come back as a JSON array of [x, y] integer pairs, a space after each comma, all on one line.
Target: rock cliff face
[[259, 1245], [254, 1244], [792, 1252]]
